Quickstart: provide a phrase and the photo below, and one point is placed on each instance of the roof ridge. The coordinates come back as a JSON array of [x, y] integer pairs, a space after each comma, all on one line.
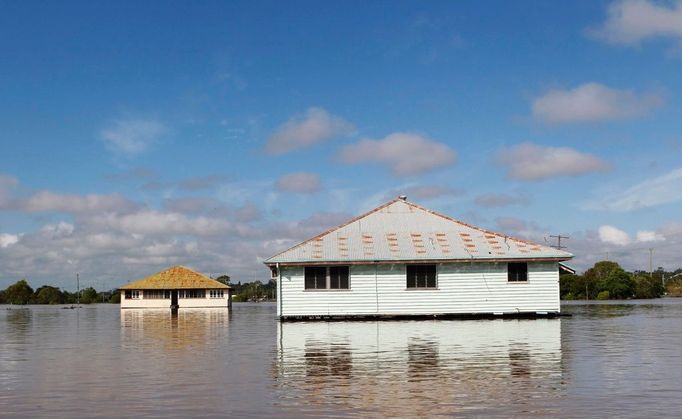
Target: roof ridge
[[340, 226]]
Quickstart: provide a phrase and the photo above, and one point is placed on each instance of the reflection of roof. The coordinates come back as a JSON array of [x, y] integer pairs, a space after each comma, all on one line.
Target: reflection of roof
[[177, 277], [402, 231]]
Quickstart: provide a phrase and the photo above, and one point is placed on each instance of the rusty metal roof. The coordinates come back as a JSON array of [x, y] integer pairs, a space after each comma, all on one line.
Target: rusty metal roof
[[403, 231]]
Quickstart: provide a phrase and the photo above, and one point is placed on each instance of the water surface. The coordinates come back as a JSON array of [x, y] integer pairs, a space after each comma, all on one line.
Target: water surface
[[609, 359]]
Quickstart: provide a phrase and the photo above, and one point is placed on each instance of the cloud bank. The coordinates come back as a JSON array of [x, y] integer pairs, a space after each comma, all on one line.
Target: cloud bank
[[664, 189], [532, 162], [629, 22], [592, 102], [314, 126], [405, 154]]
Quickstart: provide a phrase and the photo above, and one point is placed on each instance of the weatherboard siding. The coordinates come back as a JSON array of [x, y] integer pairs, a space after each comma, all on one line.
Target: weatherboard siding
[[461, 289], [206, 302]]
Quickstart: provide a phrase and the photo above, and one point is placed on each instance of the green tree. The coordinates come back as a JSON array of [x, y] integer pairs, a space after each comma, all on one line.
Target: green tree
[[115, 297], [224, 279], [618, 283], [89, 296], [648, 287], [48, 295], [572, 286], [596, 276], [19, 293]]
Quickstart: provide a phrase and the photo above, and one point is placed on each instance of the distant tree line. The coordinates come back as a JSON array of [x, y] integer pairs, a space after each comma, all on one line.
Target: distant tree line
[[250, 291], [21, 293], [606, 280]]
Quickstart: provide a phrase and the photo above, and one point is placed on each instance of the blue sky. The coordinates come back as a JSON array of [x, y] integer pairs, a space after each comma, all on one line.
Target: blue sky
[[137, 136]]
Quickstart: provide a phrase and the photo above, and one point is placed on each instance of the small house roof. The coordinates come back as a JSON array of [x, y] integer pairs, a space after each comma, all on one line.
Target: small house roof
[[403, 231], [177, 277]]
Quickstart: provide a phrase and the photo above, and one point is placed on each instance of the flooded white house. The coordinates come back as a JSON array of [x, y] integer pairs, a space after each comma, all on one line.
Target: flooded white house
[[403, 260], [176, 287]]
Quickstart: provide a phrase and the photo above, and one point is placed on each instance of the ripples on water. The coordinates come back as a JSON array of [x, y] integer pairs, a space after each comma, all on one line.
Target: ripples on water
[[606, 360]]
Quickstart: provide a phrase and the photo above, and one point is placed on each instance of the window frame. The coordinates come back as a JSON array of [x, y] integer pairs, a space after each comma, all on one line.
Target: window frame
[[426, 287], [328, 280], [132, 295], [216, 293], [515, 279]]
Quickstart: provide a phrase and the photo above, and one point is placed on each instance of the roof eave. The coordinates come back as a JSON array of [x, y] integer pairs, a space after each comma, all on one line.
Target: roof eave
[[400, 261]]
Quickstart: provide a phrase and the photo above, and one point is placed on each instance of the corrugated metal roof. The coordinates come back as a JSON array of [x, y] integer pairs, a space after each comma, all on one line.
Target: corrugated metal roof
[[400, 230], [177, 277]]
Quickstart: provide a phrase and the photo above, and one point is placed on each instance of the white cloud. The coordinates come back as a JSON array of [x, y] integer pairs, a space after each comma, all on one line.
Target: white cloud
[[404, 153], [631, 21], [132, 136], [61, 229], [494, 200], [649, 236], [612, 235], [46, 201], [314, 126], [300, 182], [7, 240], [532, 162], [660, 190], [154, 222], [592, 102]]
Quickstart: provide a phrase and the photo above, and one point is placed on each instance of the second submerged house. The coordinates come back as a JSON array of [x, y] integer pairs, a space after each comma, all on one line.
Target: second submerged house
[[401, 259], [176, 287]]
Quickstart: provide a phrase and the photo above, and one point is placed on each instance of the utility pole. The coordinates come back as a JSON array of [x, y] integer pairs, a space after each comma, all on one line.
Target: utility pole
[[651, 262], [559, 237], [78, 290]]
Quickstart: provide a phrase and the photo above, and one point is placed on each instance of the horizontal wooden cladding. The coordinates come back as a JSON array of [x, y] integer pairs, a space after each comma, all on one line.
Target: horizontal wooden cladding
[[461, 289], [422, 261]]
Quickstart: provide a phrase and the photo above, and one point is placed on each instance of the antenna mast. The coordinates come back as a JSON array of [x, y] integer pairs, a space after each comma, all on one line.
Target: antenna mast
[[559, 237]]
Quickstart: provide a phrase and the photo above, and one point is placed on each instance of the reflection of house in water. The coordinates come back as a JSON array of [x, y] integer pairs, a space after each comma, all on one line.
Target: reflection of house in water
[[165, 328], [414, 368]]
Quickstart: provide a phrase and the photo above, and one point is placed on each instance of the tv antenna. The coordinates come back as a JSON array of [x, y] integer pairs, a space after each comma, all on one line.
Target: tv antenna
[[558, 238]]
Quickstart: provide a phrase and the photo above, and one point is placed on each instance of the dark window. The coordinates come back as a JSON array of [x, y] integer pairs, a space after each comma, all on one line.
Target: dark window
[[192, 294], [132, 294], [323, 277], [421, 276], [517, 272], [338, 277], [315, 277]]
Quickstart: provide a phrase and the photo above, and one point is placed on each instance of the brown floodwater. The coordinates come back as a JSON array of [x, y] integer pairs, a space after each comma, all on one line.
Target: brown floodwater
[[609, 359]]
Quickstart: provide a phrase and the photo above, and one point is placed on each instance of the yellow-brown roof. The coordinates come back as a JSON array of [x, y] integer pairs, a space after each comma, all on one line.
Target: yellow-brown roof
[[177, 277]]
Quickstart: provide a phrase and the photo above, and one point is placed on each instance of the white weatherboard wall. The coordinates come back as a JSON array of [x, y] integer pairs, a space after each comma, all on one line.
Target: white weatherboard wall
[[182, 302], [462, 288]]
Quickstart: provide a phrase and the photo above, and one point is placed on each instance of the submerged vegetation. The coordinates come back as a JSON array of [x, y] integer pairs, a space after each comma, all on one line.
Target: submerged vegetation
[[606, 280], [21, 293]]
